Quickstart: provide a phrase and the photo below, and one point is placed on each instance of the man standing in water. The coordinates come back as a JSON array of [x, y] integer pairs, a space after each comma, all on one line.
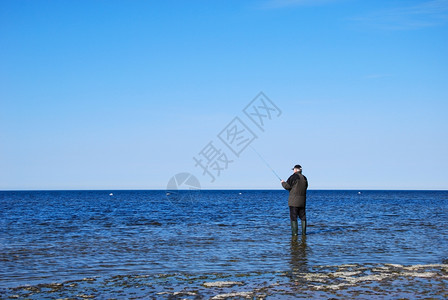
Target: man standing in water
[[297, 185]]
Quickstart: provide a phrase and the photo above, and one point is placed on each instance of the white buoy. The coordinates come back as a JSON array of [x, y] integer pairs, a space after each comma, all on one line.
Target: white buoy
[[239, 193], [111, 194], [359, 193]]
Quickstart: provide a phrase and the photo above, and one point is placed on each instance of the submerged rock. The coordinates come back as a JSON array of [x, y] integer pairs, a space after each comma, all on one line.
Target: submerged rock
[[221, 283], [340, 281], [237, 294]]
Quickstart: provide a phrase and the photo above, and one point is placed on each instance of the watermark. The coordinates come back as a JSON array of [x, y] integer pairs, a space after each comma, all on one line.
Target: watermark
[[261, 110], [219, 154], [212, 160], [182, 187], [236, 136]]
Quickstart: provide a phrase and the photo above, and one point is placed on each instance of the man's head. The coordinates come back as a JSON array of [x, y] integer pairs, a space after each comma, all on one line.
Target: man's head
[[297, 168]]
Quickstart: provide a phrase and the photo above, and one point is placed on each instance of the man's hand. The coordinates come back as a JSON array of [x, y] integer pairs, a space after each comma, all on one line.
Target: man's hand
[[282, 181]]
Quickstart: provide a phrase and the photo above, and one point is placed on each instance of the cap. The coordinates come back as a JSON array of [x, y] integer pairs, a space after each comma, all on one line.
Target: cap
[[297, 167]]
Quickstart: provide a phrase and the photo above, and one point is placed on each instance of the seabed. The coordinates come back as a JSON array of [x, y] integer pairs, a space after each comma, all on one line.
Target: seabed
[[360, 281]]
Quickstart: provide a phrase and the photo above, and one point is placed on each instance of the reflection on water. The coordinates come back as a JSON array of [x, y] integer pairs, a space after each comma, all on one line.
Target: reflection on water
[[64, 235], [298, 260], [299, 250]]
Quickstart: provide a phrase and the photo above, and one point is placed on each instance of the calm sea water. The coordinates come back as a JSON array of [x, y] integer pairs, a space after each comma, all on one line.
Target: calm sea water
[[49, 236]]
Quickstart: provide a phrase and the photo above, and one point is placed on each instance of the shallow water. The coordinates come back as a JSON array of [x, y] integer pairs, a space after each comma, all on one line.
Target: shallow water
[[68, 235]]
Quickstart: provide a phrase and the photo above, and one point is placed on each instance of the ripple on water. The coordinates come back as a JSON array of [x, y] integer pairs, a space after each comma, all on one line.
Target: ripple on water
[[65, 235]]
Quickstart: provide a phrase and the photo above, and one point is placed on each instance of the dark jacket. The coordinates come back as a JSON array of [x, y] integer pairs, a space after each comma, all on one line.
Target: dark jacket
[[296, 185]]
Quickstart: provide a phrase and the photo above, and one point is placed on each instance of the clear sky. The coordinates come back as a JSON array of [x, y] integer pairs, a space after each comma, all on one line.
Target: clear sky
[[123, 94]]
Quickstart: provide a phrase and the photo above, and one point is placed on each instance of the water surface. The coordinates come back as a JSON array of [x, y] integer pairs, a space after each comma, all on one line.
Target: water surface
[[49, 236]]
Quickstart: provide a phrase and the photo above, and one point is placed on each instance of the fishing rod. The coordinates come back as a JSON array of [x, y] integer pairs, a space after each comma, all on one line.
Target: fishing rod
[[266, 163]]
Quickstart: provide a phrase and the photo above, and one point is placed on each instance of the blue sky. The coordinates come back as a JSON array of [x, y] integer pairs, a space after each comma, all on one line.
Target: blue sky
[[123, 94]]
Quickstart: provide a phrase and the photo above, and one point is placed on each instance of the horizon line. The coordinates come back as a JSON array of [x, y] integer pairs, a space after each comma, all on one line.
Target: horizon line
[[223, 189]]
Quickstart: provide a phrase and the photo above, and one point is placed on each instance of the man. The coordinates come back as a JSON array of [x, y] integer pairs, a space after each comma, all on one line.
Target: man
[[297, 185]]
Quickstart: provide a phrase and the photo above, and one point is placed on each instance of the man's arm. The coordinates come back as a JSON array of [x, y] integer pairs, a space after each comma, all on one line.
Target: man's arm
[[286, 185], [289, 183]]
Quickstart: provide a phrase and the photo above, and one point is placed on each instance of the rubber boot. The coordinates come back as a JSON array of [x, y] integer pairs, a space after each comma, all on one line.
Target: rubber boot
[[303, 227], [294, 228]]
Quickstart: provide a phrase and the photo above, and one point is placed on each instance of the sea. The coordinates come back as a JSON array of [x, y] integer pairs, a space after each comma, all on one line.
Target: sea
[[55, 236]]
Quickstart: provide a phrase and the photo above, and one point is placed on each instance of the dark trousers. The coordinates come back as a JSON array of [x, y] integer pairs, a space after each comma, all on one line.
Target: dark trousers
[[297, 211]]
